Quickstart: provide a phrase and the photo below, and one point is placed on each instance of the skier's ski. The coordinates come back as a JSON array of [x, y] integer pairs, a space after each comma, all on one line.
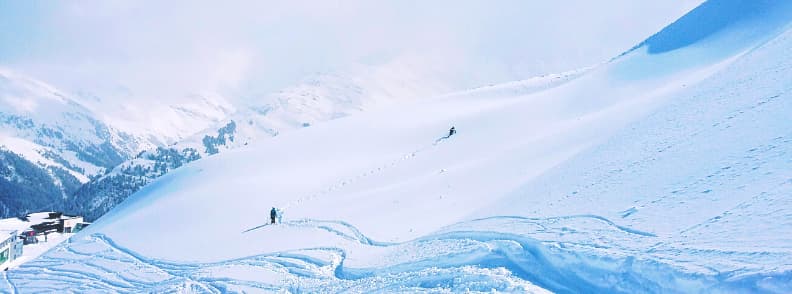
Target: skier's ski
[[254, 228], [440, 140]]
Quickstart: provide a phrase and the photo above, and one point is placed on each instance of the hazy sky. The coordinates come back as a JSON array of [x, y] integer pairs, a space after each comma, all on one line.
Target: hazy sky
[[164, 48]]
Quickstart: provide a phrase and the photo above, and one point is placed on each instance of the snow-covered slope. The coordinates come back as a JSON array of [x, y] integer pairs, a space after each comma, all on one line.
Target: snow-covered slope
[[707, 176], [660, 171], [320, 98]]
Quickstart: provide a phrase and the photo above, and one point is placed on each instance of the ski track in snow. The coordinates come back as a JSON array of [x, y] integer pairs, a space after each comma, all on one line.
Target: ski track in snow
[[596, 217], [563, 254], [344, 182]]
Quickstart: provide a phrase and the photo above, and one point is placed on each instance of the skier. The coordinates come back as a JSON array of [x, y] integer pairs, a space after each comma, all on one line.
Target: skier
[[451, 132], [273, 215]]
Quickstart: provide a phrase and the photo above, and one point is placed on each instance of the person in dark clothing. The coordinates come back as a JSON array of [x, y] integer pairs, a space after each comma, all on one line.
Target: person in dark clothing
[[273, 214], [452, 131]]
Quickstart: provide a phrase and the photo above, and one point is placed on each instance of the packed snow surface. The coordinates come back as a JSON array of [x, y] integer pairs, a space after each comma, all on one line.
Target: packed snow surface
[[617, 179]]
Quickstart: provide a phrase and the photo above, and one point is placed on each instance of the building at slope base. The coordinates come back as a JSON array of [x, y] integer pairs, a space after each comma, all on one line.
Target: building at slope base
[[10, 248]]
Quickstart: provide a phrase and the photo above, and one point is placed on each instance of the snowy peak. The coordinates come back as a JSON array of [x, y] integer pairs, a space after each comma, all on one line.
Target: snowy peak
[[50, 119], [51, 145], [161, 123], [24, 96], [327, 96]]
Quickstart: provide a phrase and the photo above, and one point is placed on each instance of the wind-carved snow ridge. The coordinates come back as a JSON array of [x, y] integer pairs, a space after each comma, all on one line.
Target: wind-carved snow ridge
[[714, 17], [497, 253]]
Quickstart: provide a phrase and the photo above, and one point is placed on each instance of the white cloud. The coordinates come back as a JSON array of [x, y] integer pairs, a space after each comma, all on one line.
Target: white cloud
[[165, 49]]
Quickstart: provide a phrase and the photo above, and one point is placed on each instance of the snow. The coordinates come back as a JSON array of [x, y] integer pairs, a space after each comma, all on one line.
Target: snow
[[45, 125], [716, 159], [32, 152], [163, 122], [28, 97], [742, 22], [74, 160], [31, 251], [164, 96], [617, 178], [17, 90]]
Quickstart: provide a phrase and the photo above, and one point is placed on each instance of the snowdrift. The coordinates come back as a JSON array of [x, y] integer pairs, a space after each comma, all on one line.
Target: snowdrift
[[656, 172]]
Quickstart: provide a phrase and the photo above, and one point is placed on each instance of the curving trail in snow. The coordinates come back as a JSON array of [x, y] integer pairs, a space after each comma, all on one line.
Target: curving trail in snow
[[560, 254]]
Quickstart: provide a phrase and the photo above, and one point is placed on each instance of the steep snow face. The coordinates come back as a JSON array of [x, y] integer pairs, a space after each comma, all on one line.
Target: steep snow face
[[607, 182], [740, 21], [710, 33], [709, 173]]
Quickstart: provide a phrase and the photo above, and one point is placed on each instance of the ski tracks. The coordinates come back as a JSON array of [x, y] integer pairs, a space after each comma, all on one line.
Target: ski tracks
[[505, 253], [11, 287], [376, 170]]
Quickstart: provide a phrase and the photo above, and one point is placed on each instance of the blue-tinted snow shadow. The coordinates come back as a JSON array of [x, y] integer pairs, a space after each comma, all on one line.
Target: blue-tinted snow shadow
[[710, 33], [556, 268], [714, 16], [564, 270]]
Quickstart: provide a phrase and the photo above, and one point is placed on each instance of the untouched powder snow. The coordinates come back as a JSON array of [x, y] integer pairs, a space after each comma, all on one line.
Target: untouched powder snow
[[674, 180]]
